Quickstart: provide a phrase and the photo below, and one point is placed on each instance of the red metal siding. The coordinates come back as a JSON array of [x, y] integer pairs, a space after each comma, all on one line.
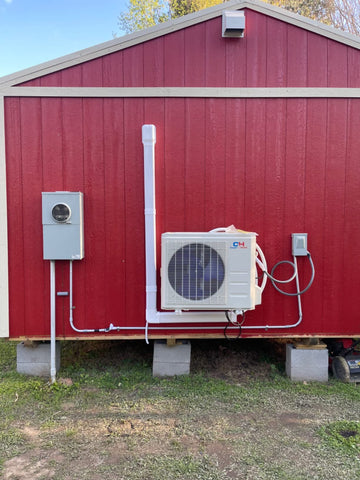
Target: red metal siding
[[15, 223], [272, 54], [272, 166], [315, 187]]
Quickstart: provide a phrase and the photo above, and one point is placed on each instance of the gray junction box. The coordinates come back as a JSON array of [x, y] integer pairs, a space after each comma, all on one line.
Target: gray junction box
[[63, 225]]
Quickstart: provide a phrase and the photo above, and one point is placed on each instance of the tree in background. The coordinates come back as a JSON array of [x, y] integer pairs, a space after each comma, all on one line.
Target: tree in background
[[143, 14], [343, 14], [319, 10], [146, 13], [346, 15], [183, 7]]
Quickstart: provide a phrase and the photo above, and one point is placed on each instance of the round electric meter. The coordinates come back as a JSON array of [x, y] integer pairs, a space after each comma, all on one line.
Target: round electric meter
[[61, 212]]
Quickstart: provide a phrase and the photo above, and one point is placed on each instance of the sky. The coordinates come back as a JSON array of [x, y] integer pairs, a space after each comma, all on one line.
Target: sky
[[35, 31]]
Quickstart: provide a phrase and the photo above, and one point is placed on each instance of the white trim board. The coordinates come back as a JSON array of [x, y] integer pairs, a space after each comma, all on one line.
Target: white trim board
[[165, 28], [4, 274], [179, 92]]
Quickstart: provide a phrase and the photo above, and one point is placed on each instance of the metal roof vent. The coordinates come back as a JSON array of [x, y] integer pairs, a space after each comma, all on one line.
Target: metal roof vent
[[233, 24]]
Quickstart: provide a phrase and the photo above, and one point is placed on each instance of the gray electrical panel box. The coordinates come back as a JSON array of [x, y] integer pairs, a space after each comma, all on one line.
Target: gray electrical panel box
[[63, 225], [299, 244]]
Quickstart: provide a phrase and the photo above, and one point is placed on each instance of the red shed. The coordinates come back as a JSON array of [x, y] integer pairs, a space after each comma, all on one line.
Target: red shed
[[260, 130]]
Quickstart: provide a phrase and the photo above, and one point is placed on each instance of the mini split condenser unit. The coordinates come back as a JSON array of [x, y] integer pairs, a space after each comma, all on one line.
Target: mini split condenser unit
[[209, 271]]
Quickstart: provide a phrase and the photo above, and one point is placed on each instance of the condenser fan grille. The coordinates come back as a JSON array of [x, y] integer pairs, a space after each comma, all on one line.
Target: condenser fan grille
[[196, 271]]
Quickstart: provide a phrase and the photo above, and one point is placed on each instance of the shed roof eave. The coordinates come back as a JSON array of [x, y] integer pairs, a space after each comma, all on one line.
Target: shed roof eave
[[170, 26]]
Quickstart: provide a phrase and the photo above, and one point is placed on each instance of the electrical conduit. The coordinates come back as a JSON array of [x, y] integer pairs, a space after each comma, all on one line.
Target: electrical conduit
[[153, 316]]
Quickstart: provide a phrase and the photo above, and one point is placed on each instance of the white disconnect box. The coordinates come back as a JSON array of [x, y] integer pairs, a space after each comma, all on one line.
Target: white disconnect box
[[209, 271], [299, 244]]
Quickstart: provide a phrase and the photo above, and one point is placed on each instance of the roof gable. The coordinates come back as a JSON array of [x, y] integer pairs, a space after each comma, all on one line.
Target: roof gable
[[151, 33]]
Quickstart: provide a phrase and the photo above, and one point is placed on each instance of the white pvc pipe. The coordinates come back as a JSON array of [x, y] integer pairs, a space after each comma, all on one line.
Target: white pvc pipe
[[52, 323], [152, 315], [149, 140]]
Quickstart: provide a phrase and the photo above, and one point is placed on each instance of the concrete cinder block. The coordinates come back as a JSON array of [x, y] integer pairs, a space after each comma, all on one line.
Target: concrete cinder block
[[35, 359], [307, 364], [170, 360]]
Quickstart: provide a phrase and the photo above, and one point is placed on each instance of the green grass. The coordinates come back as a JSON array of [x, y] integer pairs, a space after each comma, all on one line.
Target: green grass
[[342, 435], [186, 467], [107, 417], [7, 357]]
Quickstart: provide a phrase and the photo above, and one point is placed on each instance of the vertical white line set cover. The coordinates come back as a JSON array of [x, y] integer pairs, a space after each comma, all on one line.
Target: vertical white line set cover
[[152, 315]]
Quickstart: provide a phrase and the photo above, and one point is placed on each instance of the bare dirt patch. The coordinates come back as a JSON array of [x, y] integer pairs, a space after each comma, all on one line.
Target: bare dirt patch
[[32, 466], [238, 360]]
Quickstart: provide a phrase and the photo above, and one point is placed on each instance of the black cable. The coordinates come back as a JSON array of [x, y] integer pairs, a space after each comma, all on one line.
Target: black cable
[[237, 324]]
